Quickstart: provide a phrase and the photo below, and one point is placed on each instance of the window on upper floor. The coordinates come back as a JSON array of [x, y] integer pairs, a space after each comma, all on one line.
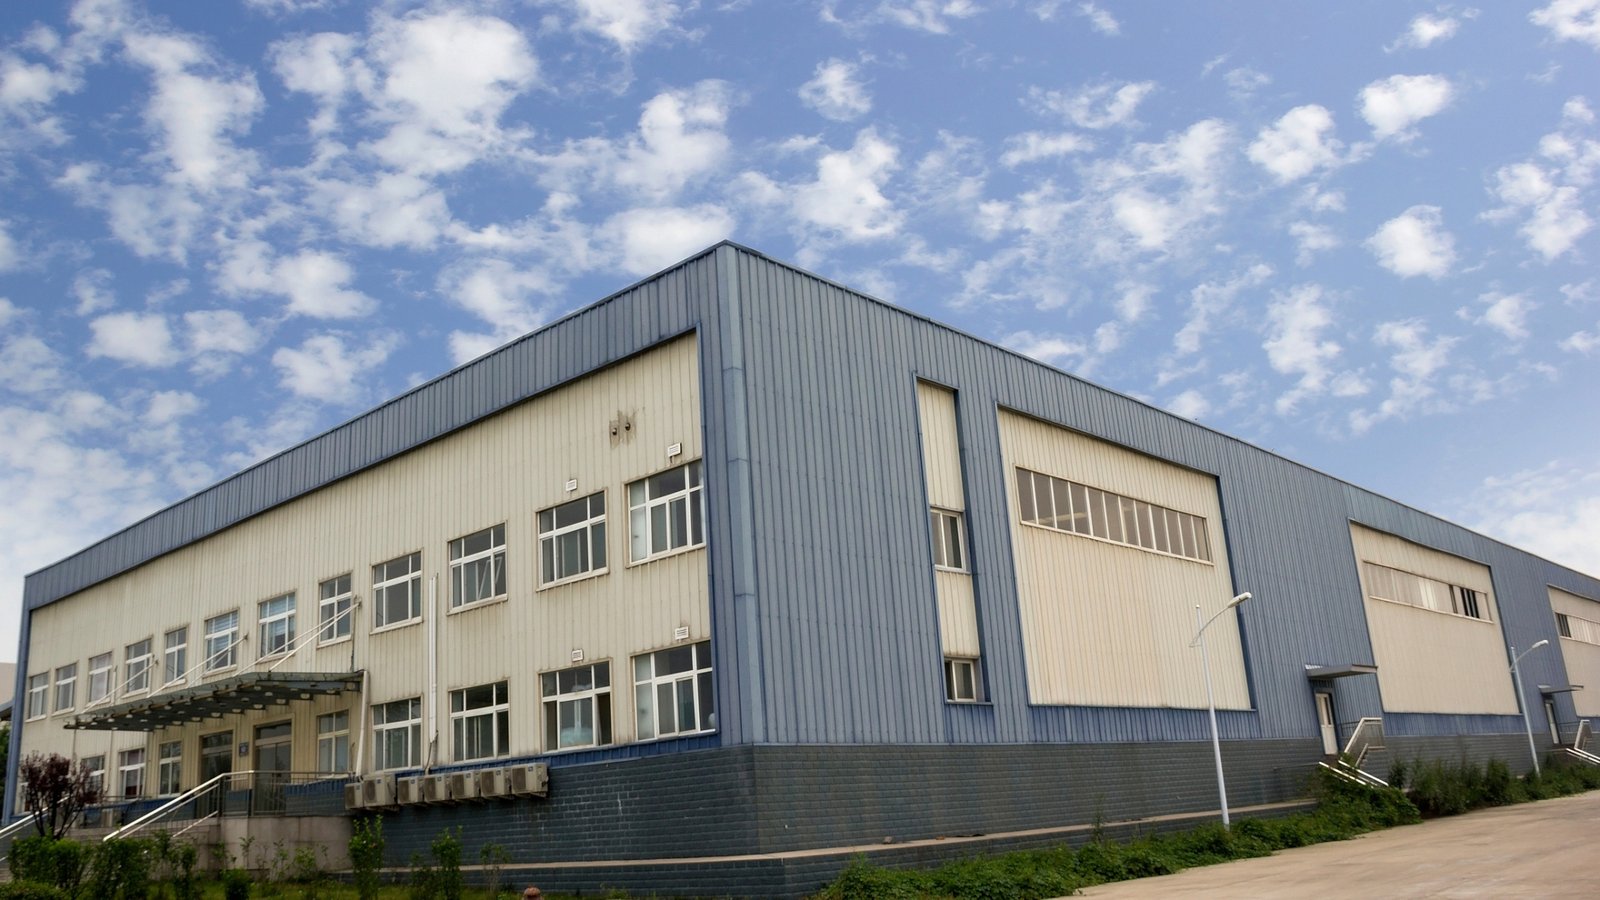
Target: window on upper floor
[[169, 768], [136, 661], [100, 668], [478, 567], [66, 687], [175, 654], [572, 539], [960, 680], [276, 625], [577, 706], [222, 641], [1062, 505], [1397, 586], [672, 691], [947, 544], [666, 513], [397, 591], [397, 734], [480, 722], [334, 605], [1578, 628], [38, 695], [333, 742]]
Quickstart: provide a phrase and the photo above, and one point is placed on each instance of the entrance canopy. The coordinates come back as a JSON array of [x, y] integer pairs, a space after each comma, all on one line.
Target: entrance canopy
[[1321, 673], [241, 693]]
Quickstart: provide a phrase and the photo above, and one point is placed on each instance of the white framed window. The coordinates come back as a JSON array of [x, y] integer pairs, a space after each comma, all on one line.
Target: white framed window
[[169, 768], [478, 567], [66, 687], [97, 771], [276, 631], [397, 591], [397, 734], [1397, 586], [175, 654], [333, 610], [480, 722], [100, 677], [222, 641], [333, 742], [1577, 628], [572, 539], [666, 512], [136, 660], [130, 773], [577, 706], [672, 691], [960, 680], [1055, 503], [948, 546], [38, 695]]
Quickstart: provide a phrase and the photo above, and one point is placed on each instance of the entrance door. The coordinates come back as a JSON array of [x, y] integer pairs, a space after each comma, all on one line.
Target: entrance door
[[1330, 731], [216, 758], [272, 766], [1550, 716]]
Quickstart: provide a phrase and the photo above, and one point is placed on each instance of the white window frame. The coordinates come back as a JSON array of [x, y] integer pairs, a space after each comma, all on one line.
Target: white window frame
[[383, 583], [652, 675], [335, 609], [587, 534], [175, 657], [136, 666], [492, 559], [38, 696], [495, 715], [97, 773], [382, 724], [101, 669], [333, 736], [130, 763], [1423, 592], [949, 550], [955, 691], [221, 644], [1058, 504], [651, 515], [169, 768], [69, 680], [555, 702], [275, 625]]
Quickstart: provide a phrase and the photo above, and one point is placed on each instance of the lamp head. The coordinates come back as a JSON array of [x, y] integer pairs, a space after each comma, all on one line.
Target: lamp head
[[1540, 644], [1238, 600]]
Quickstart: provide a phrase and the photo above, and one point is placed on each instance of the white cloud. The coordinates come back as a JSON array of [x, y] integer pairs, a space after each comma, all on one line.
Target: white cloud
[[1095, 106], [1159, 192], [835, 92], [320, 65], [1506, 313], [93, 290], [1033, 146], [679, 140], [1425, 31], [138, 339], [1311, 239], [627, 23], [1416, 359], [1552, 510], [152, 221], [1212, 299], [500, 294], [389, 210], [1415, 243], [328, 369], [1051, 349], [1244, 81], [1547, 192], [846, 199], [1295, 346], [649, 239], [29, 366], [1099, 19], [1571, 20], [316, 285], [166, 407], [287, 7], [1299, 143], [1190, 404], [1394, 104], [215, 335], [8, 248], [194, 114], [932, 16]]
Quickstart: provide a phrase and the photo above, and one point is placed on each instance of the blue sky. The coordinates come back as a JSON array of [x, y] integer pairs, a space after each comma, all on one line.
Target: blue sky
[[1358, 234]]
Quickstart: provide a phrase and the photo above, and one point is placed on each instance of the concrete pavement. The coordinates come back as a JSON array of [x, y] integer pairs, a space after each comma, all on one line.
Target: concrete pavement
[[1544, 849]]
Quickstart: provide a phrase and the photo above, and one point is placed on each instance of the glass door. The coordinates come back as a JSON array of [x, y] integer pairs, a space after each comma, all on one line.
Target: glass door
[[272, 766], [216, 758]]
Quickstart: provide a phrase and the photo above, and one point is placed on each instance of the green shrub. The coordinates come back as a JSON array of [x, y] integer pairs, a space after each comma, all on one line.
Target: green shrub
[[235, 884], [120, 870], [185, 886], [366, 856], [447, 856], [424, 880], [32, 890], [59, 862]]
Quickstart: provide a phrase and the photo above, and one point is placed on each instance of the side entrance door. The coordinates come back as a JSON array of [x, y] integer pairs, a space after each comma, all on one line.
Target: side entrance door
[[272, 766], [216, 758], [1330, 730]]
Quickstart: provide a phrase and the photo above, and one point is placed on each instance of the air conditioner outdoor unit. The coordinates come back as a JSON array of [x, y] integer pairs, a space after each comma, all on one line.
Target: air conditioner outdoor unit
[[377, 790], [410, 790], [435, 788], [352, 796], [494, 783], [531, 780], [463, 785]]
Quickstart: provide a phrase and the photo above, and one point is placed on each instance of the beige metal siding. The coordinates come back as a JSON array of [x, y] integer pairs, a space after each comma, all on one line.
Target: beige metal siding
[[958, 620], [1582, 658], [941, 446], [502, 470], [1429, 661], [1106, 624]]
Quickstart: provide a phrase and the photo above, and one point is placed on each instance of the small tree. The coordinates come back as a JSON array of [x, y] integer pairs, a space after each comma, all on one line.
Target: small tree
[[55, 790]]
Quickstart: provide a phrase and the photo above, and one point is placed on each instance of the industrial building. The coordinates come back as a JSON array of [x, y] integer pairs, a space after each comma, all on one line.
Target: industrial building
[[737, 573]]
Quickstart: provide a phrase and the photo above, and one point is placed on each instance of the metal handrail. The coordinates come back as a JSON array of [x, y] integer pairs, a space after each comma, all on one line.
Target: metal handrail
[[249, 776], [1366, 730], [163, 809]]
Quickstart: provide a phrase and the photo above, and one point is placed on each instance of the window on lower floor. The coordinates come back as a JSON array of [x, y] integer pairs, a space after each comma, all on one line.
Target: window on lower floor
[[397, 734], [960, 680], [672, 691], [222, 641], [397, 590], [577, 706], [666, 512], [480, 722], [169, 768], [99, 677], [947, 545], [130, 773], [66, 687], [136, 661], [97, 772], [572, 539], [38, 695], [478, 567], [334, 609], [333, 742]]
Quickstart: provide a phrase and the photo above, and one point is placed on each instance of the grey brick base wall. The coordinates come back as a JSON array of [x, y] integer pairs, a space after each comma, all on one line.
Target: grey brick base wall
[[1512, 749]]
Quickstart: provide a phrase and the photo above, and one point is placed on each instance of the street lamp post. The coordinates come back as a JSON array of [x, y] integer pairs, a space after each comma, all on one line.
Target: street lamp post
[[1211, 703], [1516, 676]]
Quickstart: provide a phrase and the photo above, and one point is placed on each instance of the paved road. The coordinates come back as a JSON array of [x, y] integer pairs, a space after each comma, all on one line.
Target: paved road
[[1545, 849]]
